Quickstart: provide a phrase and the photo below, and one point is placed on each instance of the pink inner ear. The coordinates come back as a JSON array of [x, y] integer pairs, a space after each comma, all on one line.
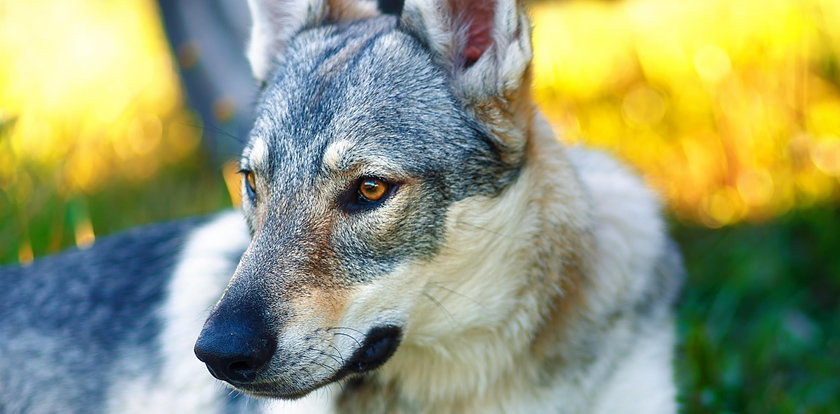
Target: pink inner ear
[[477, 16]]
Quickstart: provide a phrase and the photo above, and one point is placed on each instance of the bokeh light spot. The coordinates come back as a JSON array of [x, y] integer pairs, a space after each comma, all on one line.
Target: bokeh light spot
[[644, 106], [25, 254], [188, 55], [224, 108], [826, 155], [144, 133], [84, 233], [755, 187], [712, 63], [723, 207]]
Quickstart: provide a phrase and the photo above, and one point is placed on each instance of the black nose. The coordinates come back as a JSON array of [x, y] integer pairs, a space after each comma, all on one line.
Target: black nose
[[234, 348]]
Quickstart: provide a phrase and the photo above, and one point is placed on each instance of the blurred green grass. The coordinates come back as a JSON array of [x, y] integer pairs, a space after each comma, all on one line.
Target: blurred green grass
[[759, 319], [46, 219]]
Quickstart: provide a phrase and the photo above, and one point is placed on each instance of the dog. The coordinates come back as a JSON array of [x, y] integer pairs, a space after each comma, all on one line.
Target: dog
[[413, 239]]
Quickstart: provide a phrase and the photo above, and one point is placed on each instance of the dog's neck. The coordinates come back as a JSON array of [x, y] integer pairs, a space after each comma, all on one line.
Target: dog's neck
[[499, 298]]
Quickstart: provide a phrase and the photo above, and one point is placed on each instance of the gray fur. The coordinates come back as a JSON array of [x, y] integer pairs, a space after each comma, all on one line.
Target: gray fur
[[69, 322]]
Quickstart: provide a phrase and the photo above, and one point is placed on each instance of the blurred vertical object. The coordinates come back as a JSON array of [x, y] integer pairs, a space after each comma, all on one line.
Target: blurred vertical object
[[208, 38]]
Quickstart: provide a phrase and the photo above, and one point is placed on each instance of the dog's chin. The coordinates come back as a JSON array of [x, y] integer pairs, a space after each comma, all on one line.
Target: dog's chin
[[280, 391], [379, 345]]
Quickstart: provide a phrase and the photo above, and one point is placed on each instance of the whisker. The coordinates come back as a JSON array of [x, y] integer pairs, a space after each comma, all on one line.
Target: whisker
[[336, 350], [311, 377], [349, 336], [325, 366], [440, 305], [345, 327], [334, 358], [443, 287]]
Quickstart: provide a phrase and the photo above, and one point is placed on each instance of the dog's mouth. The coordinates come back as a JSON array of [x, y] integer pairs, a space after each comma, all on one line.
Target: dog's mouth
[[379, 345]]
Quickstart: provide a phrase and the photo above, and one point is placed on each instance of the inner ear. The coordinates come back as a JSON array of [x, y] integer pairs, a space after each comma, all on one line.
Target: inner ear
[[475, 17]]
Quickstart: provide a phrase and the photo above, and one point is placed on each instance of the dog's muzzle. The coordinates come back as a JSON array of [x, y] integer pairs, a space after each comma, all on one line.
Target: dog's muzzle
[[238, 348]]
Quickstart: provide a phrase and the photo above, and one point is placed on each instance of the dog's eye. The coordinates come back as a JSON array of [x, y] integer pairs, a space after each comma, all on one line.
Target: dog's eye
[[367, 194], [372, 189], [249, 180]]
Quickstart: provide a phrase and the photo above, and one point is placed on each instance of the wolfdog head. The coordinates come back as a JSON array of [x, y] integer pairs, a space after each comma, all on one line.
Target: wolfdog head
[[372, 130]]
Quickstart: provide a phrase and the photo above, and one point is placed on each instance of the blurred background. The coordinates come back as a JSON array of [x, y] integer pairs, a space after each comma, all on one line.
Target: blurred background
[[115, 113]]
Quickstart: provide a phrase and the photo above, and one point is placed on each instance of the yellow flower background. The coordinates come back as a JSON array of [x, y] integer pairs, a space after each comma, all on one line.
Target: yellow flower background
[[730, 108]]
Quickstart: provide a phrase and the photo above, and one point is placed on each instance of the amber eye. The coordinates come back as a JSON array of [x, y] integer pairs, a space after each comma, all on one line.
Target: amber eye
[[250, 182], [372, 189]]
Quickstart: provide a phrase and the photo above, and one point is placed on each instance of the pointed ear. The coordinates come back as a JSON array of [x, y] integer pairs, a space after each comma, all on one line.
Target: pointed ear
[[274, 22], [485, 45]]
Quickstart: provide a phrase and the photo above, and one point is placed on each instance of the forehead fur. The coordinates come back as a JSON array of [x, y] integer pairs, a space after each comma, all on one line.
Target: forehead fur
[[378, 89]]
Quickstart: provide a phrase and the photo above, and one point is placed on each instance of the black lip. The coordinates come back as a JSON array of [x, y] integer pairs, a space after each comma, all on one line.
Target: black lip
[[379, 345]]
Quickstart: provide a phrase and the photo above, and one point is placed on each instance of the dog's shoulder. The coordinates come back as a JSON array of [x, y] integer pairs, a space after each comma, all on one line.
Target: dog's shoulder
[[629, 228], [613, 187], [626, 214], [638, 270], [66, 317]]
